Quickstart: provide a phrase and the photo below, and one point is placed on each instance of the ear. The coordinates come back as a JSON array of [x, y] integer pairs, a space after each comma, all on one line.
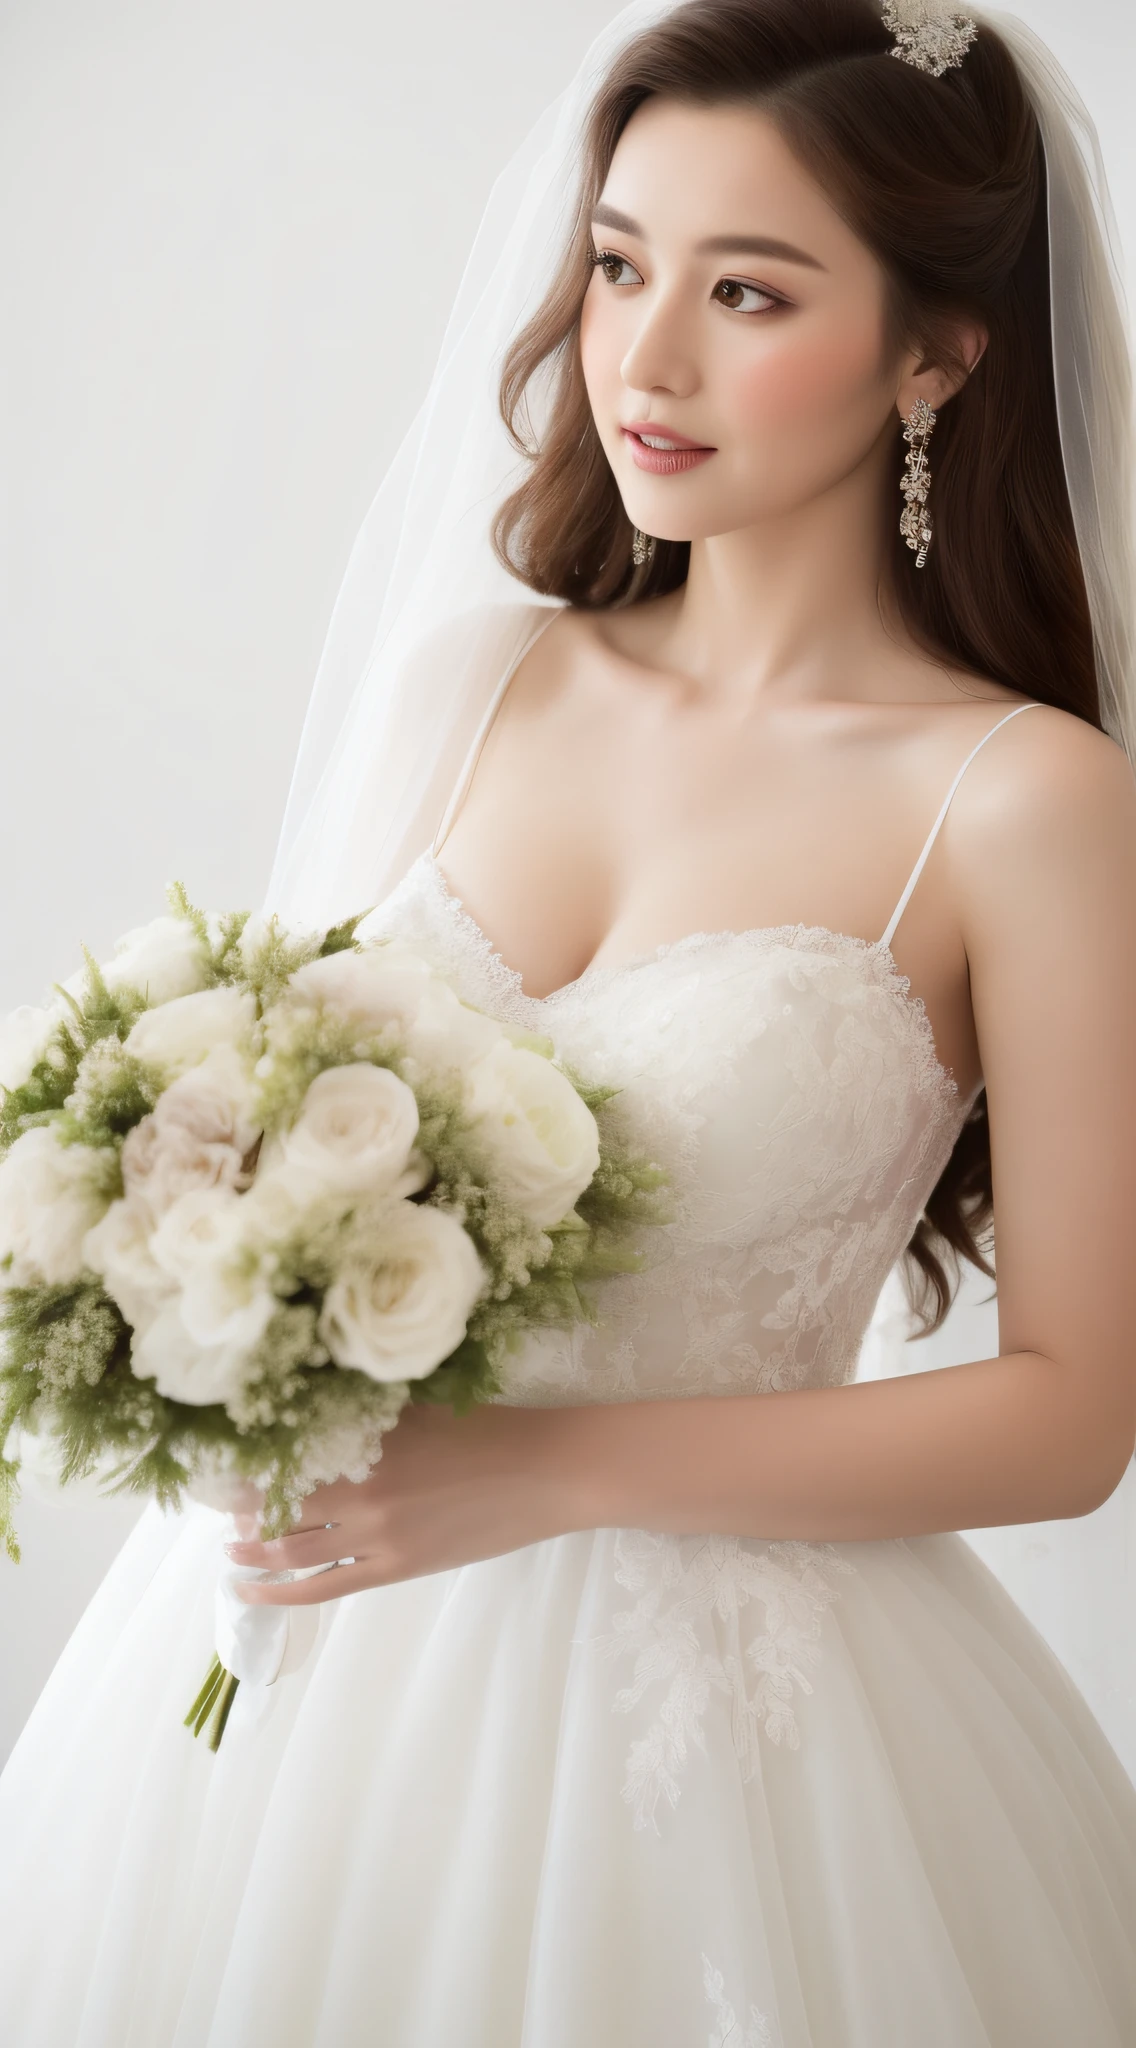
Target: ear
[[936, 375]]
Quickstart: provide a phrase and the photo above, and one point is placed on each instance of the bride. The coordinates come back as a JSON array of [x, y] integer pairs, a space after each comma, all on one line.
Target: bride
[[659, 1701]]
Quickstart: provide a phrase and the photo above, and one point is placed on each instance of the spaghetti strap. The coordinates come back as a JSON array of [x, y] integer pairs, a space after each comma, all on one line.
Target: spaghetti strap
[[482, 733], [933, 834]]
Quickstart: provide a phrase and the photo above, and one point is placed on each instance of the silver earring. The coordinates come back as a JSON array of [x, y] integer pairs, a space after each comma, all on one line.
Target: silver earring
[[642, 547], [915, 483]]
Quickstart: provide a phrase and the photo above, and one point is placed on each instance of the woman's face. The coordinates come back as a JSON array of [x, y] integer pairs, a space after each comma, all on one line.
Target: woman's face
[[735, 308]]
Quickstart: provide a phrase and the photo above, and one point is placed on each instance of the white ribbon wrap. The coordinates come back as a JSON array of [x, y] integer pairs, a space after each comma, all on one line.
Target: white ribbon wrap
[[250, 1641], [256, 1643]]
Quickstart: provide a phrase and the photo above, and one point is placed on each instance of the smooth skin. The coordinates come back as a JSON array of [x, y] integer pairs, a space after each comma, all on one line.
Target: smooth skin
[[766, 746]]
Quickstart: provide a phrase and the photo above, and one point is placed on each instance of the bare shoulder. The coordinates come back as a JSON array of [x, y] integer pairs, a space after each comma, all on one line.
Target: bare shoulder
[[1044, 826], [1041, 769]]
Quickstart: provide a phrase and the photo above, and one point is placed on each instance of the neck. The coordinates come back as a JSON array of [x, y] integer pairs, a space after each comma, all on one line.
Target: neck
[[790, 608]]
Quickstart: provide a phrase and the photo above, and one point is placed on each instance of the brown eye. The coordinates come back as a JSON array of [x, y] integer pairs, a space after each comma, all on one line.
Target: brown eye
[[736, 289], [611, 265]]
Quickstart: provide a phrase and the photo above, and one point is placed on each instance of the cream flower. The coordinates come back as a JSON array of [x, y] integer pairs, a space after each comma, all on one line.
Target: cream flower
[[162, 960], [24, 1036], [119, 1250], [197, 1135], [183, 1369], [228, 1303], [51, 1195], [179, 1034], [392, 985], [208, 1241], [397, 1310], [203, 1227], [354, 1134], [540, 1140]]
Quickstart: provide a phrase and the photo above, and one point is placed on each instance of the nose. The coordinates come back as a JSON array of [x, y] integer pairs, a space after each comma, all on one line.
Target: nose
[[663, 353]]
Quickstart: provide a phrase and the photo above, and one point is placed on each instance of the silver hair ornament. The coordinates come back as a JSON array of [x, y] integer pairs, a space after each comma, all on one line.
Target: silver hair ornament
[[932, 37]]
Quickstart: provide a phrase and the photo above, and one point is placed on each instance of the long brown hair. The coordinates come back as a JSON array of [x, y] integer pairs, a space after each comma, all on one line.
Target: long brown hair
[[944, 179]]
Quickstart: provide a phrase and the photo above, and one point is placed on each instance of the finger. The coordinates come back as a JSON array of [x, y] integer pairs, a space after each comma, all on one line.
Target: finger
[[292, 1553], [330, 1584]]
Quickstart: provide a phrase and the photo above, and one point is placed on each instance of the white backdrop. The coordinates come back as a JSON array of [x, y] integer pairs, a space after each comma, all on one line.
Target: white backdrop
[[230, 231]]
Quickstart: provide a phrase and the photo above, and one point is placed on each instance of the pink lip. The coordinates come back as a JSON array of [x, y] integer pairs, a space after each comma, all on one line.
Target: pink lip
[[663, 433], [663, 461]]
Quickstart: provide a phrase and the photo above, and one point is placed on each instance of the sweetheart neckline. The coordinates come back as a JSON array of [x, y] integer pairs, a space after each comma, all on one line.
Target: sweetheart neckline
[[893, 981]]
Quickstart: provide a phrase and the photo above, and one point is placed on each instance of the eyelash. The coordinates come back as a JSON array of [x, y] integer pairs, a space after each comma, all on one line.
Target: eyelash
[[602, 256]]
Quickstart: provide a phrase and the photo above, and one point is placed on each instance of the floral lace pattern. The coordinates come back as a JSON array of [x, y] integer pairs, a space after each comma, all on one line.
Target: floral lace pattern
[[788, 1082], [729, 2031], [685, 1584]]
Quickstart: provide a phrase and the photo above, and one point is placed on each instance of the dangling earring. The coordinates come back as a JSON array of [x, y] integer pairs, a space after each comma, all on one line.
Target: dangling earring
[[642, 547], [915, 483]]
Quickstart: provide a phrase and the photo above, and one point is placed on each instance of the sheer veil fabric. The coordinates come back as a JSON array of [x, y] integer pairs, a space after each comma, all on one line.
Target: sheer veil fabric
[[427, 622]]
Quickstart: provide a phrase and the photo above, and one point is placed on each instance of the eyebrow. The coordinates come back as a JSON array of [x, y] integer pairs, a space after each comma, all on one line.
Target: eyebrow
[[715, 245]]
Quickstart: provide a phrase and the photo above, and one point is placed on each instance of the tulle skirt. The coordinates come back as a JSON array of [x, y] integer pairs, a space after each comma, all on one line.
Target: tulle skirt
[[614, 1790]]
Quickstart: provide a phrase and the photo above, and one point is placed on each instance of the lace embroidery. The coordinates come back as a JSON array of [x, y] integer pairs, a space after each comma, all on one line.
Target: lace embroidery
[[684, 1583], [729, 2032], [506, 985]]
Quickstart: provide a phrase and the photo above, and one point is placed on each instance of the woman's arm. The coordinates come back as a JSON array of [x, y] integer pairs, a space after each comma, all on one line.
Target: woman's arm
[[1042, 854]]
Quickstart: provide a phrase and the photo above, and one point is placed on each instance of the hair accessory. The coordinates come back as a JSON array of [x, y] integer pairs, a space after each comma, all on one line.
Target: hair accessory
[[642, 547], [932, 37], [915, 520]]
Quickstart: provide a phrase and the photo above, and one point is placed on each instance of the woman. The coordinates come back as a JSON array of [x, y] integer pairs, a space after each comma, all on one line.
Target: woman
[[657, 1701]]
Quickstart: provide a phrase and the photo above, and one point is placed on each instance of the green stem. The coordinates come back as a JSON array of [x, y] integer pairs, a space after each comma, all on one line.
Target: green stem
[[207, 1689], [213, 1703], [207, 1703], [225, 1698]]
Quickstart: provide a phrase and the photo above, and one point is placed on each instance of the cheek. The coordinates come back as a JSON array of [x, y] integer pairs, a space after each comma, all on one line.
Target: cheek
[[600, 355], [820, 381]]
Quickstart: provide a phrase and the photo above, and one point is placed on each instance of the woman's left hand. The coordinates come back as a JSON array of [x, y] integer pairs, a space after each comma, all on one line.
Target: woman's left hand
[[448, 1490]]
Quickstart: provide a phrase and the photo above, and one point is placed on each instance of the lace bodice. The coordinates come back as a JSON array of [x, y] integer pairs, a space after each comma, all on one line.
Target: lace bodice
[[788, 1083]]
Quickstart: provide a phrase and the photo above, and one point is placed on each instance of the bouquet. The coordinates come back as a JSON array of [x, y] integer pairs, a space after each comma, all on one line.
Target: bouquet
[[259, 1188]]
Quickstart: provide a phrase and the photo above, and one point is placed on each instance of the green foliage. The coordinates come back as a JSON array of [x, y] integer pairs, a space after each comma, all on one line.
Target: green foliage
[[341, 937], [64, 1335], [113, 1091], [102, 1019], [181, 907], [9, 1498]]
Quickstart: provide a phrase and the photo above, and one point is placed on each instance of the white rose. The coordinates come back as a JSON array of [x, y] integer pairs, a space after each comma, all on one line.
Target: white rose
[[398, 1311], [162, 960], [197, 1135], [281, 1201], [119, 1250], [207, 1241], [391, 984], [183, 1369], [228, 1303], [24, 1035], [355, 1134], [540, 1140], [179, 1034], [202, 1227], [50, 1197]]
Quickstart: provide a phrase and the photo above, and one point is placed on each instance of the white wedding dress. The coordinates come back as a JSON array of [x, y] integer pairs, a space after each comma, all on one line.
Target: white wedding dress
[[620, 1789]]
